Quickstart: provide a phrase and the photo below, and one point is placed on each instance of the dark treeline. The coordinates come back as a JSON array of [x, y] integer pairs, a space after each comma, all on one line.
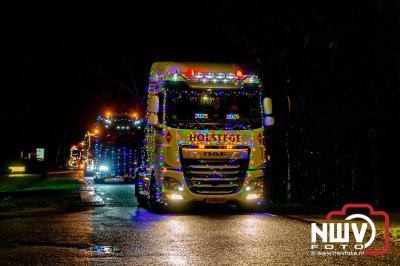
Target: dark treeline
[[343, 86]]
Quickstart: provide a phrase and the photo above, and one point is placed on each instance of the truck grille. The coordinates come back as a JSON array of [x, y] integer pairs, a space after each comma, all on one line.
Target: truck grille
[[214, 176]]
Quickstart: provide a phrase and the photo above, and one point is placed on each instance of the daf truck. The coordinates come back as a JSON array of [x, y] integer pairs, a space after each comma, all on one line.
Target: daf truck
[[116, 147], [204, 136]]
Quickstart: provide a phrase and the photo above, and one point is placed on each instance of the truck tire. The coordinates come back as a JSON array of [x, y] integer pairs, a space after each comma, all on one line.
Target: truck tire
[[140, 198], [155, 206]]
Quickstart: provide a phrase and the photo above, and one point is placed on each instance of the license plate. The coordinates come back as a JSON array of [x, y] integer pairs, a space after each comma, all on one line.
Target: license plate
[[216, 201]]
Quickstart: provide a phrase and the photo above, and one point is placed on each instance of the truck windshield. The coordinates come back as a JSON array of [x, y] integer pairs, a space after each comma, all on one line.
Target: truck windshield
[[121, 137], [213, 109]]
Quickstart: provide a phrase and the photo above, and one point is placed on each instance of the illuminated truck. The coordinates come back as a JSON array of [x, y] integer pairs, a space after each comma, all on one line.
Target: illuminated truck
[[75, 156], [204, 137], [116, 147], [88, 152]]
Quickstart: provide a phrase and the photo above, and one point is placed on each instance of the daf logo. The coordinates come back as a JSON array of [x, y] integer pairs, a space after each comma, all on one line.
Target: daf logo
[[214, 153]]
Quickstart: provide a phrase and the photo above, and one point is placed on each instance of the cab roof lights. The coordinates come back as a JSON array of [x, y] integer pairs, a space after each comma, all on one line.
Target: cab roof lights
[[239, 74], [163, 68], [213, 75], [200, 73], [189, 72]]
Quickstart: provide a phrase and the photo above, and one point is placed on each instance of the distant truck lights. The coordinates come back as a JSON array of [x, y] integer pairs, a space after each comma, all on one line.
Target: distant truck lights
[[109, 118], [109, 114], [106, 152]]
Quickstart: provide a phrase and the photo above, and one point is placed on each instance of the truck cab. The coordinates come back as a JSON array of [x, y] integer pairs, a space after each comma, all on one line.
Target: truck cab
[[204, 136], [116, 147], [75, 157]]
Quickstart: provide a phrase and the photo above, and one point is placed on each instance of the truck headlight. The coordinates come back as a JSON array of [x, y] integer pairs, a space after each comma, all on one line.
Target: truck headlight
[[172, 184], [175, 196], [103, 168], [253, 196]]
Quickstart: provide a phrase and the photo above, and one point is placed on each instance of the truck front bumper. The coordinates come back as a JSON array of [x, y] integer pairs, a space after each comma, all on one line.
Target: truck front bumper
[[244, 196]]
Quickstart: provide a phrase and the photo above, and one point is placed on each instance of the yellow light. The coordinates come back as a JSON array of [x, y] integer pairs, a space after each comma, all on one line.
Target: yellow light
[[252, 196], [201, 146], [134, 114], [205, 99], [17, 169], [96, 131], [108, 114], [175, 196], [229, 146]]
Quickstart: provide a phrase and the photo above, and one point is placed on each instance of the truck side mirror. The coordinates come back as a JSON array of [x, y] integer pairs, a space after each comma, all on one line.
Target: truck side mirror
[[154, 104], [153, 119], [269, 121], [267, 104]]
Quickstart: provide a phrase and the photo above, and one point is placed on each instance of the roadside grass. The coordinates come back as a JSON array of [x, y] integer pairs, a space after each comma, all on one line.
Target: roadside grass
[[31, 182], [395, 234], [23, 194]]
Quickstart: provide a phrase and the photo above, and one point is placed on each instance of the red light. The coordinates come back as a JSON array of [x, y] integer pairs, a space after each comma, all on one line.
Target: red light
[[189, 72], [239, 74]]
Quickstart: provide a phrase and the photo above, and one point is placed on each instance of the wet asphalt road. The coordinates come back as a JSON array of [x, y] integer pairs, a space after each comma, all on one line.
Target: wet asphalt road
[[139, 237]]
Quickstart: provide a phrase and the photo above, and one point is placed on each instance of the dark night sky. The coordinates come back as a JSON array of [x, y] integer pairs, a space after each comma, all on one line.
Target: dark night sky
[[66, 63]]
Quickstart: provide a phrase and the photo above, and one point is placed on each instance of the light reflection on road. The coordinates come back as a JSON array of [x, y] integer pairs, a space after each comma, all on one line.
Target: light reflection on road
[[177, 227]]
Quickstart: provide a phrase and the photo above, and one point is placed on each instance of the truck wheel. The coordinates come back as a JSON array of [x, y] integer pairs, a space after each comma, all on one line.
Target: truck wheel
[[155, 206], [140, 198]]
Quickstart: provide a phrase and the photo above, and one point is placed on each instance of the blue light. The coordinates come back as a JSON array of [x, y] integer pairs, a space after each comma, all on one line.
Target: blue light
[[103, 168]]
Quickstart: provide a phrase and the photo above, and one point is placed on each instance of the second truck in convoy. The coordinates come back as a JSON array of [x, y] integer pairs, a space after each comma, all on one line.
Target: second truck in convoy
[[204, 138], [113, 148]]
